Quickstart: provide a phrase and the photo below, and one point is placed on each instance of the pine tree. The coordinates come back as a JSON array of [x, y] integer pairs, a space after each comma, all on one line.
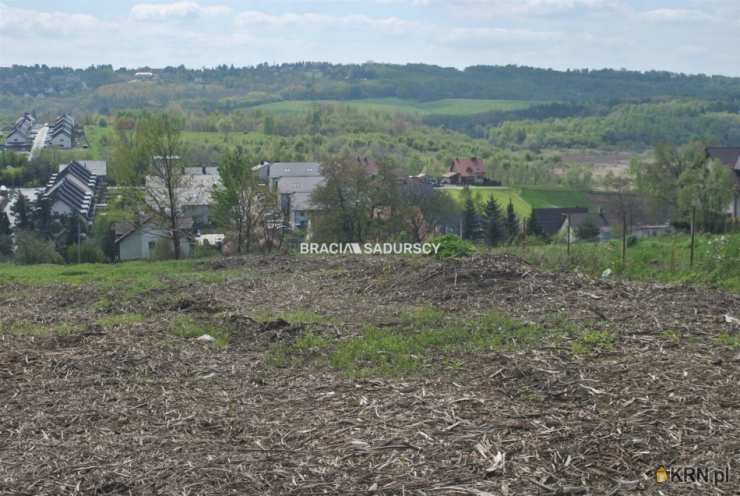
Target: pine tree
[[533, 227], [5, 227], [512, 223], [492, 223], [471, 222], [22, 212]]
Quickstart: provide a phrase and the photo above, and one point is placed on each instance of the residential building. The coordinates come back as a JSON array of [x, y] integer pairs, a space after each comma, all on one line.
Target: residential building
[[294, 183], [20, 136], [72, 191], [466, 171], [574, 221], [194, 195], [61, 132], [138, 241], [551, 220], [730, 156]]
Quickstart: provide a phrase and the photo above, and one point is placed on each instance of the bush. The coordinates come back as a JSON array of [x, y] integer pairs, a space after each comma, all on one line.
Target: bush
[[163, 250], [206, 251], [31, 249], [90, 252], [452, 246]]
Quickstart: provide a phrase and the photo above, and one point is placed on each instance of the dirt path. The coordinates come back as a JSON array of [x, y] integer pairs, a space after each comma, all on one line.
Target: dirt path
[[133, 410]]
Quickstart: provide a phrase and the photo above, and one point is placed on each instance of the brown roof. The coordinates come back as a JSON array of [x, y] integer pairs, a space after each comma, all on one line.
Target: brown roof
[[469, 167]]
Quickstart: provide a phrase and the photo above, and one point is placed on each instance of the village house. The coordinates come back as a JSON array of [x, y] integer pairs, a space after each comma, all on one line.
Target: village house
[[466, 171], [73, 191], [573, 222], [139, 241], [194, 195], [61, 132], [551, 220], [294, 183], [730, 156], [20, 136]]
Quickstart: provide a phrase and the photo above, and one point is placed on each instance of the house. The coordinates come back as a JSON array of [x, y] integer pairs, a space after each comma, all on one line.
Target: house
[[20, 135], [138, 241], [72, 191], [466, 171], [730, 156], [61, 132], [97, 167], [294, 183], [573, 222], [194, 195], [551, 220]]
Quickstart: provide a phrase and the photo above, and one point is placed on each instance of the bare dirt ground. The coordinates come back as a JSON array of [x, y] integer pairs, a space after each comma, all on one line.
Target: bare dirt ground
[[131, 409]]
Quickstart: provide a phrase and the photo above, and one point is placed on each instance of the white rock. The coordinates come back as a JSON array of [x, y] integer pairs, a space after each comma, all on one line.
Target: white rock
[[206, 337]]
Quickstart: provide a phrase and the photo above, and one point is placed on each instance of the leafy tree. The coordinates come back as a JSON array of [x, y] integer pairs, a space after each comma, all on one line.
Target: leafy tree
[[471, 226], [492, 223], [511, 223], [156, 152], [345, 200], [707, 188], [33, 249], [241, 201]]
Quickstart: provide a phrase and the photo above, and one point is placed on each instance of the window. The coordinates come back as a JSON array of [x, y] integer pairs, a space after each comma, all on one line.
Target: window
[[152, 245]]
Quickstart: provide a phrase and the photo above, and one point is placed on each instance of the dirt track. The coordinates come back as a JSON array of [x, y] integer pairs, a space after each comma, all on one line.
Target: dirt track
[[132, 410]]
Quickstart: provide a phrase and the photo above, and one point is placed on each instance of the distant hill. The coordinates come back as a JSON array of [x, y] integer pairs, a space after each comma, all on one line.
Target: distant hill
[[324, 81]]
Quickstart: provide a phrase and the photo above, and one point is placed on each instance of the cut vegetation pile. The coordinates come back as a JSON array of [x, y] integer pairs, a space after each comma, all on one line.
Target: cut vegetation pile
[[369, 375]]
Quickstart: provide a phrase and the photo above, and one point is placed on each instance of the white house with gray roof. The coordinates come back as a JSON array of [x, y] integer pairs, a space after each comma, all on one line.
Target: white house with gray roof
[[294, 182]]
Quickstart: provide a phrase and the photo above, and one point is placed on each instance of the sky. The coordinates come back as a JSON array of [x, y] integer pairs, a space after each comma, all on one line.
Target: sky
[[689, 36]]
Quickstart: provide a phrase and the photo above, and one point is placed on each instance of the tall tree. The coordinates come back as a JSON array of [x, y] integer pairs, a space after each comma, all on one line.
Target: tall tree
[[21, 211], [512, 223], [6, 231], [157, 149], [471, 228], [492, 223], [345, 200], [241, 201], [533, 227]]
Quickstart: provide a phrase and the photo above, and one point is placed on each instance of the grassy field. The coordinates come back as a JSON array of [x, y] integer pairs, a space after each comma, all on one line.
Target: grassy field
[[548, 197], [450, 106], [502, 195], [663, 259]]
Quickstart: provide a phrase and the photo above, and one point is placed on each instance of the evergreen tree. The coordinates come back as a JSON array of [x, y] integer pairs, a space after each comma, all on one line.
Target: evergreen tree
[[533, 227], [42, 218], [22, 212], [492, 223], [512, 223], [5, 227], [6, 241], [471, 222]]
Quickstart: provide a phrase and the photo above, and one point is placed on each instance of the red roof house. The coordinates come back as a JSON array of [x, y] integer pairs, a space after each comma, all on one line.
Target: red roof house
[[467, 171]]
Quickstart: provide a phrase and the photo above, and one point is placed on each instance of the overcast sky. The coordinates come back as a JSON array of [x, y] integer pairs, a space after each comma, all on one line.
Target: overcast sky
[[689, 36]]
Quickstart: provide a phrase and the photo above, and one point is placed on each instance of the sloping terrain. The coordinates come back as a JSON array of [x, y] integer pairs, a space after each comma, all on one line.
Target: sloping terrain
[[580, 386]]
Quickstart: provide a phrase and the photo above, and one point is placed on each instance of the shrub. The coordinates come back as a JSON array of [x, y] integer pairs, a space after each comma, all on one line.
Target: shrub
[[451, 246], [163, 250], [31, 249], [90, 252]]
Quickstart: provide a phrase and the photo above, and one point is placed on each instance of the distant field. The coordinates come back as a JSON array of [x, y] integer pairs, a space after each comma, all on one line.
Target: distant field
[[525, 199], [500, 194], [548, 198], [450, 106]]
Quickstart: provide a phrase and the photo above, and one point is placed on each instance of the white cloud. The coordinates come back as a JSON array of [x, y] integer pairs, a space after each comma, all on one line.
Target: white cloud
[[393, 25], [675, 16], [32, 21], [497, 35], [175, 10]]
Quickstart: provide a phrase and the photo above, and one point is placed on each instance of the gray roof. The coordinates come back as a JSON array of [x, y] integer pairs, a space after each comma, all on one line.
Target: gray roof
[[194, 190], [295, 169], [97, 167], [291, 184]]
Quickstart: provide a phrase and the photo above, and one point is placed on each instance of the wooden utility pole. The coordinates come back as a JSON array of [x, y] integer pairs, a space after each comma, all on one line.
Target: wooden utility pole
[[624, 239], [567, 217], [693, 234]]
